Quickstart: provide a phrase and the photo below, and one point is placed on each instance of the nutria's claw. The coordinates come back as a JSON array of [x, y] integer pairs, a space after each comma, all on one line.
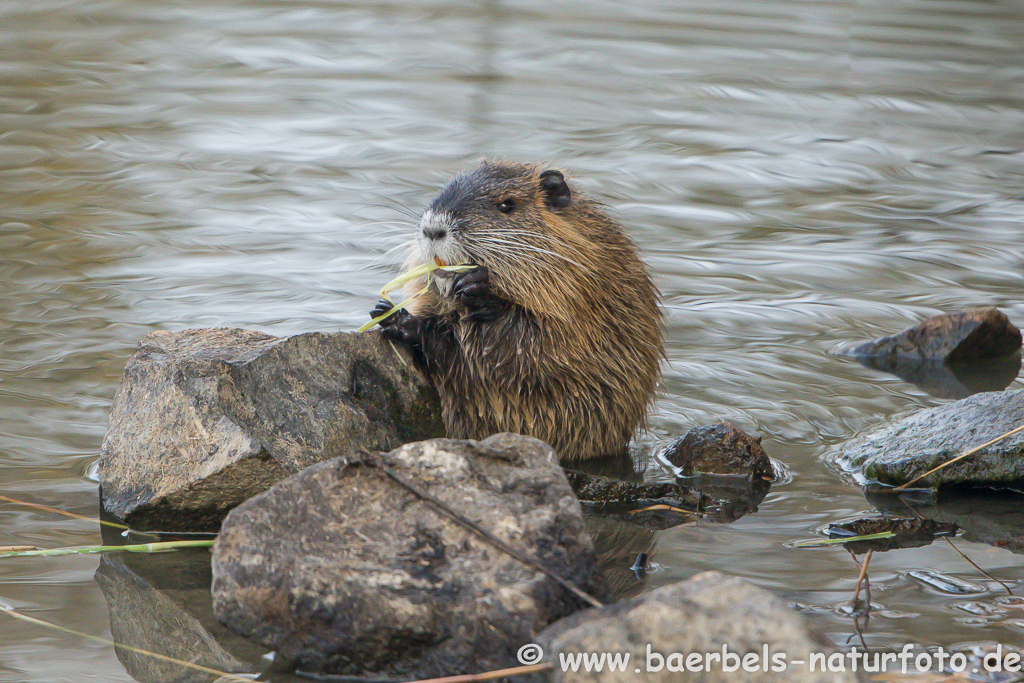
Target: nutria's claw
[[401, 326], [473, 289], [382, 307]]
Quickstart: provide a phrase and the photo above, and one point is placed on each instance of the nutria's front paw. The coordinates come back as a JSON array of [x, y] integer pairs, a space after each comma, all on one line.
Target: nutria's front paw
[[472, 289], [401, 326]]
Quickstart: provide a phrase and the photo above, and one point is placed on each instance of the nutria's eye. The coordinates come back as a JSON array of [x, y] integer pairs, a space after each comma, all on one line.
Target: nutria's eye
[[507, 206]]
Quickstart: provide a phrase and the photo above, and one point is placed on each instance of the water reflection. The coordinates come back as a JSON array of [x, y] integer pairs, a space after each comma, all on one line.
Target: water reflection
[[161, 603], [949, 380]]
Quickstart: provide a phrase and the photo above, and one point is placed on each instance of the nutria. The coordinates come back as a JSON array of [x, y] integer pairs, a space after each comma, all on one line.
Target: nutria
[[556, 333]]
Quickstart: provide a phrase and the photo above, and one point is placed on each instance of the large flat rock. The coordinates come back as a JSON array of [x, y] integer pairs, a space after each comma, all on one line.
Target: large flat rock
[[911, 446], [205, 419], [341, 569]]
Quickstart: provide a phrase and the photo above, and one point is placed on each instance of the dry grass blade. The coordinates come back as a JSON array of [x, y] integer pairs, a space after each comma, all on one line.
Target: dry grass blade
[[663, 506], [822, 542], [391, 311], [164, 658], [961, 457]]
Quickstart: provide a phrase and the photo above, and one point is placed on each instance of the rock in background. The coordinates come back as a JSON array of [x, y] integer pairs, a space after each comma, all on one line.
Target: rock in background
[[340, 569], [701, 615], [205, 419], [913, 445], [974, 334]]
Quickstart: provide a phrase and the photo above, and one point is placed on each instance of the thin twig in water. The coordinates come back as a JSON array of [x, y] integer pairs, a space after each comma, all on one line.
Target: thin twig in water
[[489, 537], [960, 552], [961, 457], [971, 562], [862, 577], [490, 675], [47, 508], [858, 614]]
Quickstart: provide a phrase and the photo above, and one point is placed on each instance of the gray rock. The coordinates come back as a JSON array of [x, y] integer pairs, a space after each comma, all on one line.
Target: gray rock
[[976, 333], [205, 419], [170, 458], [313, 397], [915, 444], [705, 614], [342, 570]]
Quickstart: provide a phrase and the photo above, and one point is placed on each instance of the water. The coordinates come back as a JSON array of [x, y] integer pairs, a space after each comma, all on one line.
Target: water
[[798, 174]]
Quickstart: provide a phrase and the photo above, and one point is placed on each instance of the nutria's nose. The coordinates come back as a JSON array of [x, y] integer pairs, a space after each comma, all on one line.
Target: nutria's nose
[[432, 232]]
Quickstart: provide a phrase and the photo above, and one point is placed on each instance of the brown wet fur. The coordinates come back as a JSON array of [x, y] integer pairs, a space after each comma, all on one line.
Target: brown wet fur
[[575, 359]]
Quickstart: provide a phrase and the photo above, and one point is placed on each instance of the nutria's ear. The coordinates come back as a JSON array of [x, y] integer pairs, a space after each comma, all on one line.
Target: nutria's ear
[[556, 192]]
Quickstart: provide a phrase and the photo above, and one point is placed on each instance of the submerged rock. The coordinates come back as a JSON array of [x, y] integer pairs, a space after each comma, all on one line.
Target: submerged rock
[[341, 569], [660, 629], [205, 419], [977, 333], [906, 533], [607, 495], [913, 445]]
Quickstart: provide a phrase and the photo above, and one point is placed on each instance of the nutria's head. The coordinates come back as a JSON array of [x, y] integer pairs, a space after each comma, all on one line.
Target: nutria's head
[[545, 245]]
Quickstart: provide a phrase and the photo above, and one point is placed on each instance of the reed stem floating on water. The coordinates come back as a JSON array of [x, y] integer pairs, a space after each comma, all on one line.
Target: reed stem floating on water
[[821, 542], [58, 511], [158, 547]]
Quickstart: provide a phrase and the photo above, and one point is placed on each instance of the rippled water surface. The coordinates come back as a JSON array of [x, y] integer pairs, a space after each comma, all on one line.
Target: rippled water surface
[[798, 174]]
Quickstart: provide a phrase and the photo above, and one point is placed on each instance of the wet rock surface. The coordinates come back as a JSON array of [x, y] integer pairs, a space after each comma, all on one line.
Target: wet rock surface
[[205, 419], [662, 505], [341, 569], [722, 449], [607, 495], [915, 444], [977, 333], [701, 615]]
